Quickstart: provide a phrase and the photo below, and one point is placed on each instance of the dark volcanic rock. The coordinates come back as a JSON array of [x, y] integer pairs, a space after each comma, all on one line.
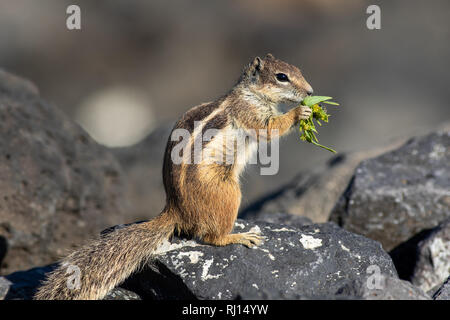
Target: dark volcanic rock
[[433, 259], [314, 194], [390, 288], [22, 285], [319, 261], [281, 218], [57, 185], [400, 193], [425, 258], [444, 291], [121, 294], [406, 254], [5, 285], [313, 261]]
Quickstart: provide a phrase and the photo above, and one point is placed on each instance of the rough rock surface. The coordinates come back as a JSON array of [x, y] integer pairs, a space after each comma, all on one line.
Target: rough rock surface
[[390, 288], [121, 294], [281, 217], [311, 261], [57, 185], [314, 194], [5, 285], [425, 258], [400, 193], [21, 285], [317, 261], [433, 260], [444, 291]]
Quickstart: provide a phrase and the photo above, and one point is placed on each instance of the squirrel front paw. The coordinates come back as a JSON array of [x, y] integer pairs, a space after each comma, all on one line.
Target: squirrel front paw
[[303, 112]]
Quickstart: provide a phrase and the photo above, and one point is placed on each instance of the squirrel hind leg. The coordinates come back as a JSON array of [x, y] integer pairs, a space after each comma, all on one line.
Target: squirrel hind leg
[[248, 239]]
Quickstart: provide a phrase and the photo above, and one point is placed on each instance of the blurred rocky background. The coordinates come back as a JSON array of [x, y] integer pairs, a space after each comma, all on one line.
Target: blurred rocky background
[[136, 66]]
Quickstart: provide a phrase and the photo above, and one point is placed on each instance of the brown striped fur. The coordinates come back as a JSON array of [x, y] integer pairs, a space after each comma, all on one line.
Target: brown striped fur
[[203, 198]]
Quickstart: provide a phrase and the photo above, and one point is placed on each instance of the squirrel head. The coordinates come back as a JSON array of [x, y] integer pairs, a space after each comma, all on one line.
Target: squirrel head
[[275, 80]]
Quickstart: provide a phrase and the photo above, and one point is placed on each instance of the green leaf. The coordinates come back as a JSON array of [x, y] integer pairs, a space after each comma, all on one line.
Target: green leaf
[[326, 148], [312, 100], [331, 102], [307, 126], [308, 136]]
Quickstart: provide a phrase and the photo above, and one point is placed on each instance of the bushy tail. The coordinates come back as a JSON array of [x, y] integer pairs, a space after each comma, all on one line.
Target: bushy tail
[[90, 272]]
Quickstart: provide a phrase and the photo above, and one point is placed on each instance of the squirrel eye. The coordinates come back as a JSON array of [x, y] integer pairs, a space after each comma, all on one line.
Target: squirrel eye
[[282, 77]]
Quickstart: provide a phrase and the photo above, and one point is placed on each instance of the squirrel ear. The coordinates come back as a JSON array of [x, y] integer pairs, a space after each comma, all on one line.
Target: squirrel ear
[[269, 56], [256, 66]]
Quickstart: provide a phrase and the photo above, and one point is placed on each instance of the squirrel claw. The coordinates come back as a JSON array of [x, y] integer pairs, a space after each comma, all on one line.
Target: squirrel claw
[[305, 112], [251, 239]]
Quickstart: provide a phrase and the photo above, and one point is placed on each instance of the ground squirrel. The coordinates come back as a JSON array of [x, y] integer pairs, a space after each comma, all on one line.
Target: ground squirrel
[[202, 198]]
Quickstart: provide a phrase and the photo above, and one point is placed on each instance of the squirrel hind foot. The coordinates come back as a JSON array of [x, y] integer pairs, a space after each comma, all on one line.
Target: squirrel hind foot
[[248, 239]]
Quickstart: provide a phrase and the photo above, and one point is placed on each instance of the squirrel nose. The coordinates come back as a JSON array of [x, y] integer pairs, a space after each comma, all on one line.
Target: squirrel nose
[[310, 92]]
